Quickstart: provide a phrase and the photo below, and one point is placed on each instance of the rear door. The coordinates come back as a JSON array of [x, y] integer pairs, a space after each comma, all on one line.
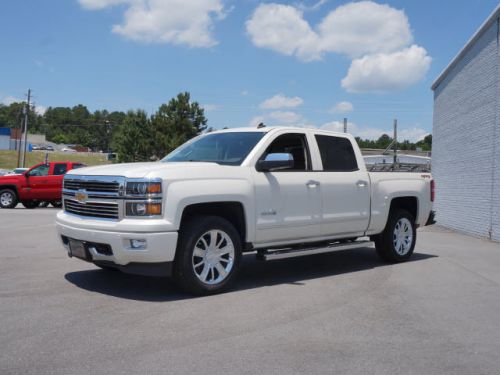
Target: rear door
[[345, 188], [57, 172]]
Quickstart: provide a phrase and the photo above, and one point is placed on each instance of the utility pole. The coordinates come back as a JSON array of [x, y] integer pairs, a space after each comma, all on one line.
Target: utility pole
[[26, 115], [345, 124], [395, 141], [18, 141]]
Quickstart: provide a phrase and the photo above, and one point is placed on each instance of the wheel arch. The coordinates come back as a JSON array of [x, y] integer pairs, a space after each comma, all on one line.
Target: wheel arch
[[13, 187], [408, 203], [232, 211]]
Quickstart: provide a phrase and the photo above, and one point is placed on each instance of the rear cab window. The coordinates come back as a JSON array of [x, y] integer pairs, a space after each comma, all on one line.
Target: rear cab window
[[337, 154], [60, 168]]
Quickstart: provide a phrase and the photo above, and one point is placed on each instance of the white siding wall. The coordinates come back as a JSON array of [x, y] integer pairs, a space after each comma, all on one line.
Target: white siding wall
[[4, 142], [466, 129]]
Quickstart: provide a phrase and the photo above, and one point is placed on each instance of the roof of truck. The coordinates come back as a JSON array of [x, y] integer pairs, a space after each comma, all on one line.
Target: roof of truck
[[272, 128]]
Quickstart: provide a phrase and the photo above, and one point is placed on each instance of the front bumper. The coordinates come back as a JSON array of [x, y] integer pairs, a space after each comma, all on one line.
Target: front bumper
[[156, 259]]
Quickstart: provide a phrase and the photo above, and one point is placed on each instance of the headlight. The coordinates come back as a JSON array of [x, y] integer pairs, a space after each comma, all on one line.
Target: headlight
[[143, 208], [143, 188]]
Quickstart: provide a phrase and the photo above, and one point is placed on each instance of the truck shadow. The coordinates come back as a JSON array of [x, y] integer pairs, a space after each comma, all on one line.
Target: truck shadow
[[253, 274]]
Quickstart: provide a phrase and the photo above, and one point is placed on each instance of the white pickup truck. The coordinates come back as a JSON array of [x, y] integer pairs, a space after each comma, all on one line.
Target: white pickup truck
[[279, 192]]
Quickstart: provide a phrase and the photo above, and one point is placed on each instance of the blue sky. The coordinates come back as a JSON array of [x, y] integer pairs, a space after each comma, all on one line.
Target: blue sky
[[286, 63]]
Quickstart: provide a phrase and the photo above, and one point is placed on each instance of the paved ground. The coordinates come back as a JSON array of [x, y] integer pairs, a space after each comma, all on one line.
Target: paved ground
[[344, 312]]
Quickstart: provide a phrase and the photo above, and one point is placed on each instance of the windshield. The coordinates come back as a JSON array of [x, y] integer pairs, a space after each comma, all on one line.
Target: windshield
[[221, 148]]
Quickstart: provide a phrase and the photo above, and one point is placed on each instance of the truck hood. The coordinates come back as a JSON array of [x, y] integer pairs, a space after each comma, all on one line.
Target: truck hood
[[12, 178], [139, 170]]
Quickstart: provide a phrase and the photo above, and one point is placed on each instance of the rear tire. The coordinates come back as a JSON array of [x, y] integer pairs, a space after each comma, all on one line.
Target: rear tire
[[30, 204], [8, 198], [397, 242], [43, 204], [208, 255], [56, 204]]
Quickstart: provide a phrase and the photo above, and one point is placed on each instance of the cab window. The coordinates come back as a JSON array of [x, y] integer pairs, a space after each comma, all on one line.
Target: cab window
[[60, 169], [294, 144], [41, 170]]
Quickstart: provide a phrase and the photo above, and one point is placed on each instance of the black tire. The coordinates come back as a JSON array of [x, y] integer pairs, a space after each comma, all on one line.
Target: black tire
[[186, 272], [56, 204], [386, 243], [8, 198], [43, 204], [30, 204]]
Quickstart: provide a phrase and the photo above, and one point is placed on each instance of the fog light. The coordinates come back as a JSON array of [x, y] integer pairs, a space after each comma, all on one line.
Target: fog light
[[138, 244]]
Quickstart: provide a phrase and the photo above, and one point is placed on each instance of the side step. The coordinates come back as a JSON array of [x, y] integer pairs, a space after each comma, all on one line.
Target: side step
[[298, 252]]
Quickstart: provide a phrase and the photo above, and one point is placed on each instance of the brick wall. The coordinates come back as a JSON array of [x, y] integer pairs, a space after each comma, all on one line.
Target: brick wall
[[465, 140]]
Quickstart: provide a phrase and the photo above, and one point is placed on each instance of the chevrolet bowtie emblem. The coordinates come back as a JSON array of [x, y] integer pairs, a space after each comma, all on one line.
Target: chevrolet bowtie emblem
[[81, 196]]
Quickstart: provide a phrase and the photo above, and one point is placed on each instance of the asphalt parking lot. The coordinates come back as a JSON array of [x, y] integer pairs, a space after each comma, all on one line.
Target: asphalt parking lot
[[343, 312]]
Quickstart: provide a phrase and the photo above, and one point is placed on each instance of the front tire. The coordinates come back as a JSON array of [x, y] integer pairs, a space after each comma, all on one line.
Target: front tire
[[208, 255], [8, 198], [397, 242]]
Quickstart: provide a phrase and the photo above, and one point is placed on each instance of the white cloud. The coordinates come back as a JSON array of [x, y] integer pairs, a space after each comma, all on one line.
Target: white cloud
[[413, 134], [353, 29], [210, 107], [282, 28], [280, 118], [99, 4], [40, 109], [286, 117], [318, 4], [374, 35], [281, 101], [166, 21], [8, 100], [256, 121], [365, 27], [387, 72], [342, 107]]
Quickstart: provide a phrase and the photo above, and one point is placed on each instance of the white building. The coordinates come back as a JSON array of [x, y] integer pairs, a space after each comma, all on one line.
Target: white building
[[466, 136]]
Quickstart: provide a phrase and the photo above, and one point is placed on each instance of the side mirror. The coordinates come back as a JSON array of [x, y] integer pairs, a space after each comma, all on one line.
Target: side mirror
[[275, 162]]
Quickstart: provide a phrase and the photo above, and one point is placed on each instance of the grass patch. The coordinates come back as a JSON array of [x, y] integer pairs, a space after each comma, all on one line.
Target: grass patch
[[8, 159]]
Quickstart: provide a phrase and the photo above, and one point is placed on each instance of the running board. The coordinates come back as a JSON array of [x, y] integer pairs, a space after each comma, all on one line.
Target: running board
[[298, 252]]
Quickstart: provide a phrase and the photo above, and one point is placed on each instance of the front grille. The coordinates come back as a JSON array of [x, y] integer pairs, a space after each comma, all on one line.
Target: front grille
[[92, 209], [92, 186]]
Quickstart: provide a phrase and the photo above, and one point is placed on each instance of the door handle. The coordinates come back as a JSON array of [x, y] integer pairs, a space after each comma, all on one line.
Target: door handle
[[312, 183], [362, 183]]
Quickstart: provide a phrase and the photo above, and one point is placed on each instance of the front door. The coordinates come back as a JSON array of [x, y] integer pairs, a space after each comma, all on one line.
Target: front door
[[288, 204], [38, 182]]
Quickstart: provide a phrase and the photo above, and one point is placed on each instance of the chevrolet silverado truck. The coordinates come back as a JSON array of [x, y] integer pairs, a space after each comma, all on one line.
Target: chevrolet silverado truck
[[41, 183], [278, 192]]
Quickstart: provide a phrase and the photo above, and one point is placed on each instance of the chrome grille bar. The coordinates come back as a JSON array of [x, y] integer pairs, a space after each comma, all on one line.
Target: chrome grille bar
[[92, 209]]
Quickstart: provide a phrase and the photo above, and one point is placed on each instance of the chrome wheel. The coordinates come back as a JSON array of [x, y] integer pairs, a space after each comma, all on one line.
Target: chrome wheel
[[213, 257], [402, 236], [6, 198]]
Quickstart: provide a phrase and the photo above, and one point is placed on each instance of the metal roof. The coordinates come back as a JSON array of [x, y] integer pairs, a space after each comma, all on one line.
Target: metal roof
[[486, 24]]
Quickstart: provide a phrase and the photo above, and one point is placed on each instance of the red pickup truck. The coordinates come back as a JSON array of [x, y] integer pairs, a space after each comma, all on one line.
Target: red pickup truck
[[41, 183]]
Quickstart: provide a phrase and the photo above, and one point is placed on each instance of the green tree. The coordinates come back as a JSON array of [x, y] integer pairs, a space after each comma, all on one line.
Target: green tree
[[132, 141], [176, 122]]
